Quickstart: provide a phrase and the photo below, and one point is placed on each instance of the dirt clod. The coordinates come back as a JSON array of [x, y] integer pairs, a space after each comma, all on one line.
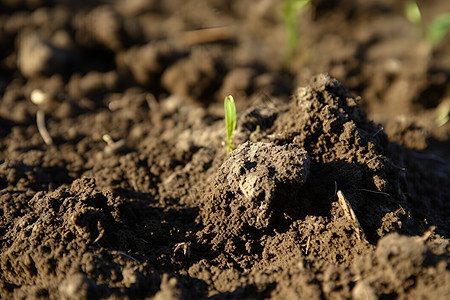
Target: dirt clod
[[78, 286], [251, 186]]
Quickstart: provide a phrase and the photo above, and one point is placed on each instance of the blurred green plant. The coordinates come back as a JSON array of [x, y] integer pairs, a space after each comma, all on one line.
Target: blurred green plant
[[436, 30], [230, 120], [291, 11]]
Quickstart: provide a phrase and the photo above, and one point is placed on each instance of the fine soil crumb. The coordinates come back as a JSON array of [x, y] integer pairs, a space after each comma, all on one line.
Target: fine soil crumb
[[348, 152], [403, 267]]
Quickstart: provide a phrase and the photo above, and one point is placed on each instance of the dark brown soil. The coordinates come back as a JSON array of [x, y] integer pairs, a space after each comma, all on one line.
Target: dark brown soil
[[338, 187]]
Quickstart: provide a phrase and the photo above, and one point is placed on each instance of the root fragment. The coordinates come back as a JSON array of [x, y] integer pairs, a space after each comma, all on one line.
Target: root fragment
[[185, 246], [40, 120], [307, 245], [426, 235], [112, 146]]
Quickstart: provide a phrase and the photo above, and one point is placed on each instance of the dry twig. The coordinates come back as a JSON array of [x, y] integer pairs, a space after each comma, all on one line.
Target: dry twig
[[350, 214], [207, 35]]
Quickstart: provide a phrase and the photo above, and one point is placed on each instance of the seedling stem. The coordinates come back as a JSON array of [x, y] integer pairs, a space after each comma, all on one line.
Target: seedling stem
[[230, 120]]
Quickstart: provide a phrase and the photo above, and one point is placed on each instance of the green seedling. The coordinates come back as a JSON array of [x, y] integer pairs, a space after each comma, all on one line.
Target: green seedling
[[412, 13], [230, 120], [436, 30], [291, 10]]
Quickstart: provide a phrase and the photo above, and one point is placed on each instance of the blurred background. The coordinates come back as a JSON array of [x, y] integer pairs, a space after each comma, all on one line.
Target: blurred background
[[86, 54]]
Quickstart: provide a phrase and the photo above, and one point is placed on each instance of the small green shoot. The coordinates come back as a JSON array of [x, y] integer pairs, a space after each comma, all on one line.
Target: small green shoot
[[230, 120], [413, 14], [291, 10], [438, 28], [435, 32]]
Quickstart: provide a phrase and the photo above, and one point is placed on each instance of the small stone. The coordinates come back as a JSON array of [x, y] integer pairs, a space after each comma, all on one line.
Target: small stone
[[363, 291], [38, 57], [78, 287]]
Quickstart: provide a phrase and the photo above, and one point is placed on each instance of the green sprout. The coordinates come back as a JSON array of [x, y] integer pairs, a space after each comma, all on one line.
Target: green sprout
[[291, 9], [230, 120], [413, 14], [436, 30]]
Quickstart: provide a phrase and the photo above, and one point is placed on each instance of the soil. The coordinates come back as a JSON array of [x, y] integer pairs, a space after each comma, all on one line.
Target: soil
[[338, 187]]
